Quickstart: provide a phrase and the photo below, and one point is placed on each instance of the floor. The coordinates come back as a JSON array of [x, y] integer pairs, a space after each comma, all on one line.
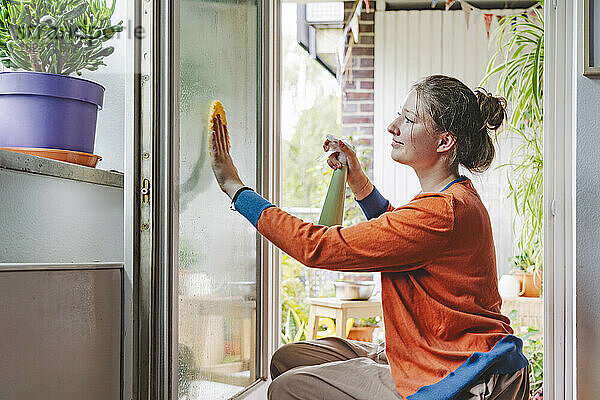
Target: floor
[[205, 390]]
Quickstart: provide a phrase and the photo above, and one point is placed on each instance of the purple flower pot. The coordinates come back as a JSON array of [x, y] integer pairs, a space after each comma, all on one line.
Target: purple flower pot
[[48, 111]]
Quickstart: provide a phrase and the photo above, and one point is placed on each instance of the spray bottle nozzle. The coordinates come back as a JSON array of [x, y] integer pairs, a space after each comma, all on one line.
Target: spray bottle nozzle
[[334, 147]]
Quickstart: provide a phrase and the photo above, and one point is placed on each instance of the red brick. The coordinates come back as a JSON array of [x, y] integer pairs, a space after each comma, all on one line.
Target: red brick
[[363, 51], [367, 62], [365, 142], [366, 84], [364, 39], [365, 28], [358, 120], [365, 16], [368, 107], [350, 85], [362, 73], [351, 96]]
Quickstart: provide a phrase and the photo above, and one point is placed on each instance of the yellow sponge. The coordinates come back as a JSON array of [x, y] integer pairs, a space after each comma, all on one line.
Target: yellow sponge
[[216, 108]]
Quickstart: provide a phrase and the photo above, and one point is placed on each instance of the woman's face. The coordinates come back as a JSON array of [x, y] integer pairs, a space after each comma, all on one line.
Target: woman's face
[[412, 144]]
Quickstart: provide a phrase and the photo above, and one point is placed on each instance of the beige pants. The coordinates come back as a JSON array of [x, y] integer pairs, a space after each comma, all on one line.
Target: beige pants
[[340, 369]]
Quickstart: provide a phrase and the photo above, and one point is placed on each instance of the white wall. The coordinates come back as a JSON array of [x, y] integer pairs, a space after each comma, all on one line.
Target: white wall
[[413, 44], [46, 219], [587, 249]]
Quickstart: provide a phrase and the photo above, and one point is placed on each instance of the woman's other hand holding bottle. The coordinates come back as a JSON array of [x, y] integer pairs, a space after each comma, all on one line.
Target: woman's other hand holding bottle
[[358, 181]]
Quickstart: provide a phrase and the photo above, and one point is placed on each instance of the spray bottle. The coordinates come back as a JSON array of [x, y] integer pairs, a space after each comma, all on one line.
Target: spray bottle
[[333, 207]]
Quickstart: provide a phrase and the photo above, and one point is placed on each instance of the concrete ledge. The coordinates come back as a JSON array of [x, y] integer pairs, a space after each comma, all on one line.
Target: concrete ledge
[[45, 166]]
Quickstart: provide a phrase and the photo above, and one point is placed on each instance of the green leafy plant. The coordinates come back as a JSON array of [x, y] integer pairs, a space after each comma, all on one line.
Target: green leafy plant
[[519, 65], [371, 321], [56, 36], [533, 349], [293, 330], [524, 262], [293, 300]]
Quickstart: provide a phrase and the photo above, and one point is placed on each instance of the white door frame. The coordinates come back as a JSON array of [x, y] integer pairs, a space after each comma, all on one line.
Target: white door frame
[[271, 190], [559, 199]]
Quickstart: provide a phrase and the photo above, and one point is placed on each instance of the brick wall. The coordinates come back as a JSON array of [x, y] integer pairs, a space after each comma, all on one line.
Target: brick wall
[[357, 101]]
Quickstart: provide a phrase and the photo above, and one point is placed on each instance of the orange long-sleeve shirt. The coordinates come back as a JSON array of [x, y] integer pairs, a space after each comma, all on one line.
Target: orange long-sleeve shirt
[[438, 277]]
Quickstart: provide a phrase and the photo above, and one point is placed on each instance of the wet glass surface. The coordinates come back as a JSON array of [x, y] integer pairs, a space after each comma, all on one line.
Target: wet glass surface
[[218, 247]]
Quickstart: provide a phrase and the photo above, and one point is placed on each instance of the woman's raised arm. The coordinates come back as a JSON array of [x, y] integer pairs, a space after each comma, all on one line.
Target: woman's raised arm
[[402, 240]]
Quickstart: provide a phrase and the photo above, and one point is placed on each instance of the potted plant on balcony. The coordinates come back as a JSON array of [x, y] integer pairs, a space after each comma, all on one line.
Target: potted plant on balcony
[[362, 329], [528, 273], [520, 40], [48, 40]]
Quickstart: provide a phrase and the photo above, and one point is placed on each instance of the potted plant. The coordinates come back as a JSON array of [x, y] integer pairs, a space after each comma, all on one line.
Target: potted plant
[[520, 40], [528, 273], [49, 40], [362, 329]]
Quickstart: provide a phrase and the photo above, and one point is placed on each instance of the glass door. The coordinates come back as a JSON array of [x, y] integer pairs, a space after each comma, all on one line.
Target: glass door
[[219, 251], [204, 320]]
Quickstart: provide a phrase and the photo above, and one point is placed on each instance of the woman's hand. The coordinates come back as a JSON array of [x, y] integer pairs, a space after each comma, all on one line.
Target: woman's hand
[[357, 179], [220, 160]]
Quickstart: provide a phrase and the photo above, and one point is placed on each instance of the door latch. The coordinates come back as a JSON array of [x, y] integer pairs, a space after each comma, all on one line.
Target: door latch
[[145, 192]]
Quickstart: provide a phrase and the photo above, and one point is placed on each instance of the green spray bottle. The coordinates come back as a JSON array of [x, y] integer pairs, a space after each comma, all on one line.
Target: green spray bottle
[[333, 207]]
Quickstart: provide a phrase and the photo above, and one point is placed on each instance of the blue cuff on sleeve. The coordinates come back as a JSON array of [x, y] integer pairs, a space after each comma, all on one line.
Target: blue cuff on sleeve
[[251, 205], [374, 204]]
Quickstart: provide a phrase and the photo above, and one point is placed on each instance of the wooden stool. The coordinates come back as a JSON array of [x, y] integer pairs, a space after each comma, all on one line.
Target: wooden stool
[[530, 311], [341, 310]]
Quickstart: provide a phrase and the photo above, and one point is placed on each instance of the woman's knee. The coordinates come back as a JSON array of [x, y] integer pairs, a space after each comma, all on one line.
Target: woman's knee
[[292, 385], [310, 352], [280, 362], [278, 389]]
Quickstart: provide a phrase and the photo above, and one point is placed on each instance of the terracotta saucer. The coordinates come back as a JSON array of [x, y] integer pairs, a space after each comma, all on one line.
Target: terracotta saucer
[[74, 157]]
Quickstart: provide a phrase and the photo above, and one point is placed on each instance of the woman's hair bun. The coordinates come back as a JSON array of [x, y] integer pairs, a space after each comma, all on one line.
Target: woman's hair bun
[[493, 109]]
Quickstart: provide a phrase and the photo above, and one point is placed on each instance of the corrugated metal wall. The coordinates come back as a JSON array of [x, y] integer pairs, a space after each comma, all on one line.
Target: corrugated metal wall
[[413, 44]]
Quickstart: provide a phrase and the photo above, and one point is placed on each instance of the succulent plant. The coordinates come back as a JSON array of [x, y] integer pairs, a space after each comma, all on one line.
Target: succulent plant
[[56, 36]]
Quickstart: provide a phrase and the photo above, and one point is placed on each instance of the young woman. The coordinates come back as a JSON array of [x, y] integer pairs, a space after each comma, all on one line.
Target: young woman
[[445, 335]]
